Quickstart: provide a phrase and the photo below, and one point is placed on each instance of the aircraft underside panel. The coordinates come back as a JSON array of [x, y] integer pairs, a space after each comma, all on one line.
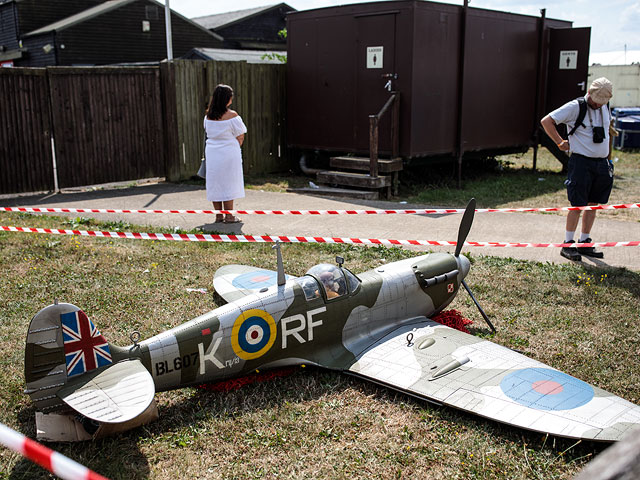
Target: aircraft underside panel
[[117, 394], [459, 370]]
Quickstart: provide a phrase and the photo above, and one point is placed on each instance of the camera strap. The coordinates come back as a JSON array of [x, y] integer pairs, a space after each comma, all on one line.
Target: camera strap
[[601, 117]]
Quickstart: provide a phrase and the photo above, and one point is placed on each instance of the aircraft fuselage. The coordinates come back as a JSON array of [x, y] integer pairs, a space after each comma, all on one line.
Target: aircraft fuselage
[[281, 326]]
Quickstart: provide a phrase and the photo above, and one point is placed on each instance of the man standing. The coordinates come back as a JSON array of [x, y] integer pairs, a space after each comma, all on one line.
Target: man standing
[[590, 175]]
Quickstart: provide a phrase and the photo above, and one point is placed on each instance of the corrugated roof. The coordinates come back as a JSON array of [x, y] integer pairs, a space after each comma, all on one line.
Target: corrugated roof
[[81, 17], [223, 19], [102, 8], [231, 55]]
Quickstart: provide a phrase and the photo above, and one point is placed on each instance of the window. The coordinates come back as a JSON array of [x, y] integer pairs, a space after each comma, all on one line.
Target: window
[[331, 278], [309, 287], [352, 280], [151, 12]]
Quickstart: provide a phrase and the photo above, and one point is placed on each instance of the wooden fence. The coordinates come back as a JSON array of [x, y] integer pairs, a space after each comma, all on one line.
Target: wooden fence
[[259, 98], [92, 125], [25, 127]]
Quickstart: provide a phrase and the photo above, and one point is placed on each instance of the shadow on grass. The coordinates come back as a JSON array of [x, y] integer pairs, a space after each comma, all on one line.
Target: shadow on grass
[[617, 277], [117, 457], [120, 456], [314, 383]]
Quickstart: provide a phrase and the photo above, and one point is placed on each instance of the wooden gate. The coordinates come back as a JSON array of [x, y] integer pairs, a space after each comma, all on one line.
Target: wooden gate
[[108, 124], [259, 98], [25, 125]]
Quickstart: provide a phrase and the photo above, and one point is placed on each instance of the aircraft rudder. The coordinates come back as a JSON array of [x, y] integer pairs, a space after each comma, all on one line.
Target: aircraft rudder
[[62, 343]]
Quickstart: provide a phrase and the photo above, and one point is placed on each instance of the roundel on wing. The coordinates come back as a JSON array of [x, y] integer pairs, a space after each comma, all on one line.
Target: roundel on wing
[[546, 389], [255, 279], [253, 334]]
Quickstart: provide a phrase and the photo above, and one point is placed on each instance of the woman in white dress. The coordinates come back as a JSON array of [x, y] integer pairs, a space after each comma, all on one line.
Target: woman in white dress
[[225, 134]]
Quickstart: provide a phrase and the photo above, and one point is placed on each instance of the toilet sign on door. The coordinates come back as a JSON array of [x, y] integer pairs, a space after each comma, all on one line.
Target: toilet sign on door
[[568, 59], [374, 57]]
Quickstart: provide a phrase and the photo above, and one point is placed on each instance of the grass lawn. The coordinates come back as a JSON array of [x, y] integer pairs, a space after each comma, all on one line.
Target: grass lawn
[[311, 423]]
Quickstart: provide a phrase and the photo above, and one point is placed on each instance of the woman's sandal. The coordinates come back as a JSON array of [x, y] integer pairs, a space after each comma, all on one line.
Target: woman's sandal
[[219, 218], [232, 219]]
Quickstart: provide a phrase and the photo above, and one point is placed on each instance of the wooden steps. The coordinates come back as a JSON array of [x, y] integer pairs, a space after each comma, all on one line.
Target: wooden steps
[[385, 165], [352, 173], [351, 179]]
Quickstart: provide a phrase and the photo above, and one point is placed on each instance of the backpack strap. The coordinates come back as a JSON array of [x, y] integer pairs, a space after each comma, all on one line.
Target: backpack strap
[[582, 104]]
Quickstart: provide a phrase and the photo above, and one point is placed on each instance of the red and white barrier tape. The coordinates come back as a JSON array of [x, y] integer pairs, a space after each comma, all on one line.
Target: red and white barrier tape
[[202, 237], [53, 461], [439, 211]]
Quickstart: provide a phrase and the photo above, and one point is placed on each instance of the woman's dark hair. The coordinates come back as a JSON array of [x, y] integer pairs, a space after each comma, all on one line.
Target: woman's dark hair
[[219, 100]]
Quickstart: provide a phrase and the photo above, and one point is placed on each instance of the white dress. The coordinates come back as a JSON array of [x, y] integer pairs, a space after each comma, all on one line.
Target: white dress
[[225, 179]]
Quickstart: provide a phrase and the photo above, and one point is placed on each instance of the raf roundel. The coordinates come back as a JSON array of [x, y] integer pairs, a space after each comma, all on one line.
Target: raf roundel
[[255, 280], [253, 334], [546, 389]]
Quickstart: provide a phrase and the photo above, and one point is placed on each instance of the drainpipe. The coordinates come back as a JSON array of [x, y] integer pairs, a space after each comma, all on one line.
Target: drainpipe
[[539, 87], [308, 170], [463, 33], [167, 21]]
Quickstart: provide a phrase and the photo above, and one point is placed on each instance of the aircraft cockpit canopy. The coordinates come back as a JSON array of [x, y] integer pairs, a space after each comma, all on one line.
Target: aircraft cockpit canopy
[[335, 280]]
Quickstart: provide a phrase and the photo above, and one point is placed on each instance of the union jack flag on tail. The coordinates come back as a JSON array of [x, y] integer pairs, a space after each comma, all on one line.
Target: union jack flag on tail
[[85, 348]]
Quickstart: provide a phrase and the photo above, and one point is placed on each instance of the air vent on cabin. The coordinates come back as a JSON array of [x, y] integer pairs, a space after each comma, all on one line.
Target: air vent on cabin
[[151, 12]]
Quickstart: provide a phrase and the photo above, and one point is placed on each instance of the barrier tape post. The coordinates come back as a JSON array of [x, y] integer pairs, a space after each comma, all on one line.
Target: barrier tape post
[[53, 461]]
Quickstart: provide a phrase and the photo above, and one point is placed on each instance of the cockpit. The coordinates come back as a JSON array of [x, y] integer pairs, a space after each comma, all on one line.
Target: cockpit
[[333, 280]]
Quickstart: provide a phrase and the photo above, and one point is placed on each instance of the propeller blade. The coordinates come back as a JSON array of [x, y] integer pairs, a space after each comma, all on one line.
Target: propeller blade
[[465, 225], [484, 315]]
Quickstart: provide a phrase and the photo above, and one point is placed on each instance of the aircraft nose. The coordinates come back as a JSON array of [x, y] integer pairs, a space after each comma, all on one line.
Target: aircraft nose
[[463, 265]]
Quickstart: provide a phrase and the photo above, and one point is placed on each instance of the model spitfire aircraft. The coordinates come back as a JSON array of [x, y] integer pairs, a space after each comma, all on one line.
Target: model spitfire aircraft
[[374, 325]]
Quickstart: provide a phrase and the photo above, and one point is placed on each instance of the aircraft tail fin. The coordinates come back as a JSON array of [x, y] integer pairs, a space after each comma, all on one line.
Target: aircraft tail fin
[[68, 363]]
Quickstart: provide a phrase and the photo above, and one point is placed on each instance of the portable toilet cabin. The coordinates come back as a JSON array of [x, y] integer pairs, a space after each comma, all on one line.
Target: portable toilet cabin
[[468, 80]]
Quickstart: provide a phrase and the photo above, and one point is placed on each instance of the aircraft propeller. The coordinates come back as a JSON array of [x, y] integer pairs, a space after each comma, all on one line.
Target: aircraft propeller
[[463, 231]]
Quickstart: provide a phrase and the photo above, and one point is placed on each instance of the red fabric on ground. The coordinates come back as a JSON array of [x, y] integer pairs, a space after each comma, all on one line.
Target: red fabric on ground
[[237, 383], [454, 319]]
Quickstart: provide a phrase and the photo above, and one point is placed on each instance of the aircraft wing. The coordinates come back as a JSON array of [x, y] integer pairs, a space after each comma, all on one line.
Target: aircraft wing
[[115, 394], [233, 282], [446, 366]]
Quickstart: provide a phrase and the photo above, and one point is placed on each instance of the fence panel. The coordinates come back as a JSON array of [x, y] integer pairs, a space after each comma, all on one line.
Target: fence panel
[[108, 124], [259, 97], [190, 106], [25, 131], [126, 123]]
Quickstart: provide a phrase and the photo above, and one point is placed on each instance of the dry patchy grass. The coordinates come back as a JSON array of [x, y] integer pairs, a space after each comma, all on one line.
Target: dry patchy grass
[[312, 423]]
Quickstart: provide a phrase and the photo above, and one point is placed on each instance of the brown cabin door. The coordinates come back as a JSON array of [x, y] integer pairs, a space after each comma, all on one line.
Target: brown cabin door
[[568, 66], [376, 58]]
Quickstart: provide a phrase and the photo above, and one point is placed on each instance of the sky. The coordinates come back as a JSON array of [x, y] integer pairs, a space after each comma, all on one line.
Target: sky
[[614, 23]]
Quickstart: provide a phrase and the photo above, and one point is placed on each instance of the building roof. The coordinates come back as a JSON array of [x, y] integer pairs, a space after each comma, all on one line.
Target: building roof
[[81, 17], [99, 10], [230, 55], [220, 20]]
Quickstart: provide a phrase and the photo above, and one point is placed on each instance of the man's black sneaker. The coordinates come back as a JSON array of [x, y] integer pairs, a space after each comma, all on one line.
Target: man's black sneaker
[[589, 251], [570, 252]]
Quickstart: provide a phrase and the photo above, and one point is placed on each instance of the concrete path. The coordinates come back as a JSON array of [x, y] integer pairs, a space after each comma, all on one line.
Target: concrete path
[[487, 227]]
